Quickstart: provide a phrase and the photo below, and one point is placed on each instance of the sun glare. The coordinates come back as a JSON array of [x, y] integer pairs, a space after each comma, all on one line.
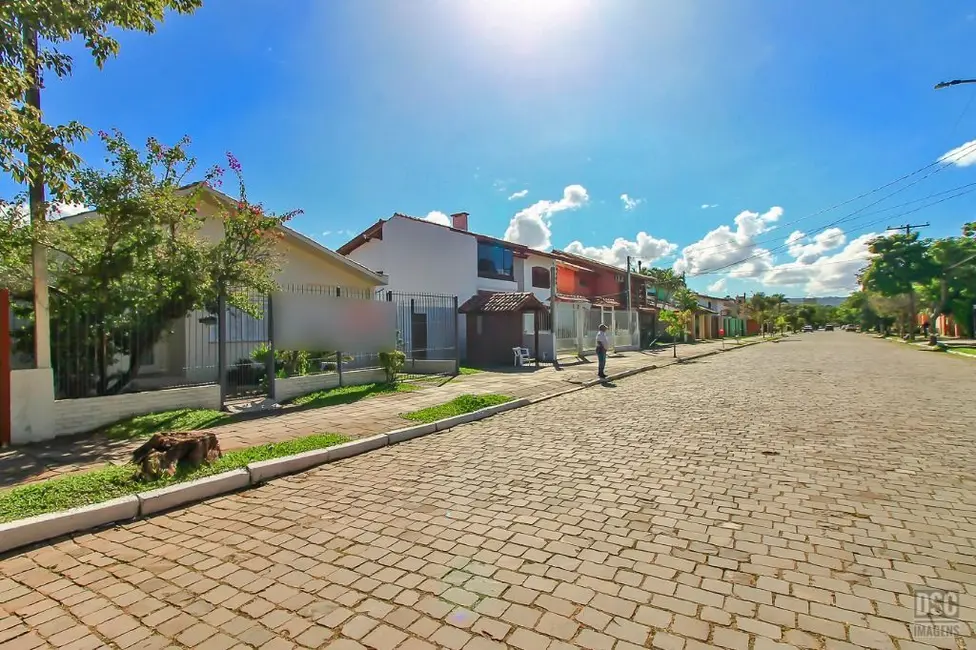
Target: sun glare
[[522, 20]]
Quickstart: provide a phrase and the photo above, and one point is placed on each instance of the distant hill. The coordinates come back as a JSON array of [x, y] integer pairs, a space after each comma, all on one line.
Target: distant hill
[[830, 301]]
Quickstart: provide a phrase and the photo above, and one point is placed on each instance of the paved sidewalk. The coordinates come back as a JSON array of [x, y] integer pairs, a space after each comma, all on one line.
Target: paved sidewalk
[[363, 418]]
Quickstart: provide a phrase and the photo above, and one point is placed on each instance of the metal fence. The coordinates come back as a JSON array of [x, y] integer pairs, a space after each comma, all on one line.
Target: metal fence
[[426, 325], [567, 327], [95, 353]]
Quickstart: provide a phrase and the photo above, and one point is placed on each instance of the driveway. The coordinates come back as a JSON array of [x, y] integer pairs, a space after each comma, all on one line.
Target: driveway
[[792, 494]]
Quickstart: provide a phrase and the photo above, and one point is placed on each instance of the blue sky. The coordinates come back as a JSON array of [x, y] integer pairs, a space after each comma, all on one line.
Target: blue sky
[[355, 109]]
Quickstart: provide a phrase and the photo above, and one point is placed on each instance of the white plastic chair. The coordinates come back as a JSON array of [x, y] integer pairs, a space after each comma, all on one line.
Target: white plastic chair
[[521, 356]]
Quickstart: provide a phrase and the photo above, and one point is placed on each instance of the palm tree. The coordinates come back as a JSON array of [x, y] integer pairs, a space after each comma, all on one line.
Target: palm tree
[[665, 281], [759, 307]]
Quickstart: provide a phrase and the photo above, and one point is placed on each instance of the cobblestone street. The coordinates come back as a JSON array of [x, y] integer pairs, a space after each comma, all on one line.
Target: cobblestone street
[[788, 494]]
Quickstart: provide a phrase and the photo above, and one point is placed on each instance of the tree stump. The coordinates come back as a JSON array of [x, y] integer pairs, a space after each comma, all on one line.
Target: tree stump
[[162, 453]]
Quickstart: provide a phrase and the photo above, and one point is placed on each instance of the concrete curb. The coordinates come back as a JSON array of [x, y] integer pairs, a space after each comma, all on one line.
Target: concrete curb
[[55, 524], [356, 447], [409, 433], [263, 470], [961, 354], [29, 531], [198, 490]]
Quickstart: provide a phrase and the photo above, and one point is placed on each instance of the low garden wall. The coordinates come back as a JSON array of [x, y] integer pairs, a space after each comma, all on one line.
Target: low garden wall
[[89, 413], [292, 387], [430, 366], [31, 396]]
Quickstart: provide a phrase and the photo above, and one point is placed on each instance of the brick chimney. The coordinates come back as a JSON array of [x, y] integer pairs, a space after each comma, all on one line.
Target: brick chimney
[[459, 221]]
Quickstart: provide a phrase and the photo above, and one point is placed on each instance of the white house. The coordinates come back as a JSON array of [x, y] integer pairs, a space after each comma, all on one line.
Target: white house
[[420, 256]]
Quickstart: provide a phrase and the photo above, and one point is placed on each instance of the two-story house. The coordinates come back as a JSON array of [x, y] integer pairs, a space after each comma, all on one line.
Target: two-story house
[[420, 256]]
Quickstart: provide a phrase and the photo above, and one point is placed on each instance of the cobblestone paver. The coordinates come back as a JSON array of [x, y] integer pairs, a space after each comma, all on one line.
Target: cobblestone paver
[[788, 495], [366, 417]]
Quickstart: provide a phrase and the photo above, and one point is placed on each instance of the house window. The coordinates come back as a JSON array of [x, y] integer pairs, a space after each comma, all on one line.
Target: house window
[[495, 261], [540, 277], [582, 282]]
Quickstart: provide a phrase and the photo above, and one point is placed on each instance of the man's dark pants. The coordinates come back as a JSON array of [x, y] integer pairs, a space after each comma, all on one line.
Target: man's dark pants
[[601, 356]]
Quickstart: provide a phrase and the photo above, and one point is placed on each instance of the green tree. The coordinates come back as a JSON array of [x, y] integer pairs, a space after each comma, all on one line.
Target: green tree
[[677, 324], [686, 302], [898, 263], [759, 307], [665, 281], [53, 23], [121, 278], [953, 289]]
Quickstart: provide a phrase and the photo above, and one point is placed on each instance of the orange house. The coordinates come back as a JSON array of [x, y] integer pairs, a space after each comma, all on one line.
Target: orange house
[[945, 325]]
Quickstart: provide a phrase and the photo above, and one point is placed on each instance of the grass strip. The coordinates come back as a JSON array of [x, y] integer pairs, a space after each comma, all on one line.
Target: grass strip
[[112, 482], [457, 406]]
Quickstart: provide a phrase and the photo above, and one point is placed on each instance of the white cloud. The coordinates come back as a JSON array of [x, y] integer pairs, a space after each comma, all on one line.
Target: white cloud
[[961, 156], [438, 217], [629, 202], [806, 253], [707, 206], [723, 246], [719, 286], [826, 273], [645, 248], [326, 233], [530, 226], [518, 195]]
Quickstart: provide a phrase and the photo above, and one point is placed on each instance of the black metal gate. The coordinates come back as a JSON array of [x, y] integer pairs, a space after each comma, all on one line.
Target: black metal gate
[[427, 334], [244, 346]]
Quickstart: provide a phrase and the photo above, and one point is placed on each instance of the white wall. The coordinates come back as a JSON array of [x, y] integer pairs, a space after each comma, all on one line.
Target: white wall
[[90, 413], [287, 389], [532, 261], [420, 257], [31, 401]]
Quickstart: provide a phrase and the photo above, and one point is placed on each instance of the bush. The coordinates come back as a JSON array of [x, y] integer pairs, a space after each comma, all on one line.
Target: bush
[[392, 363]]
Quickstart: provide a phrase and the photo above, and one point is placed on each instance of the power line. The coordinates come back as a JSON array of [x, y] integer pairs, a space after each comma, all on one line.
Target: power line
[[850, 215], [861, 227], [866, 214], [944, 162]]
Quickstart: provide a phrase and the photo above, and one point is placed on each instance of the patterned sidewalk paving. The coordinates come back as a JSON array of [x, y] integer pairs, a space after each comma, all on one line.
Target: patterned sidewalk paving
[[359, 419]]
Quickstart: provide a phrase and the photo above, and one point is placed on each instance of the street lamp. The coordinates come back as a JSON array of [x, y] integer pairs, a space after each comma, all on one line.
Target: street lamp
[[954, 82]]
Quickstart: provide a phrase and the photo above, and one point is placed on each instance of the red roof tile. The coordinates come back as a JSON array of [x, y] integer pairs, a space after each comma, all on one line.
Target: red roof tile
[[513, 302]]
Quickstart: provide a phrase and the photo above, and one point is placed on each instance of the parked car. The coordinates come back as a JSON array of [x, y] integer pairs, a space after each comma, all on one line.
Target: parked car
[[807, 328], [829, 328]]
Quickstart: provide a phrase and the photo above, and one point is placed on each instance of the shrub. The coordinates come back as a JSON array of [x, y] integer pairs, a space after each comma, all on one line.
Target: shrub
[[392, 363]]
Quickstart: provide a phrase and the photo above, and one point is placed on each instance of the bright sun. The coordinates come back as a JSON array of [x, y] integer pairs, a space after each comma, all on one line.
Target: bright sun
[[521, 20]]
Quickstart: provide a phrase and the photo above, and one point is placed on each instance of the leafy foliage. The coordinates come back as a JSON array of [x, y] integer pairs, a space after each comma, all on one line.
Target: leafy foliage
[[120, 279], [941, 273], [392, 363], [54, 22], [677, 322]]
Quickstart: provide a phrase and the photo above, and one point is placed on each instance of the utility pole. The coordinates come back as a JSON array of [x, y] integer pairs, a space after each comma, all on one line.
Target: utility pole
[[552, 312], [911, 289], [630, 312], [36, 205]]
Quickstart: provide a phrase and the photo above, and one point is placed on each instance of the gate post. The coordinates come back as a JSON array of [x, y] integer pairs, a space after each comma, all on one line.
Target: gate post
[[222, 346], [457, 341], [6, 411], [271, 370], [339, 367]]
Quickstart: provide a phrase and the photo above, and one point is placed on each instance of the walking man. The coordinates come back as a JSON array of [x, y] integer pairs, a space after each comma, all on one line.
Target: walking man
[[602, 345]]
